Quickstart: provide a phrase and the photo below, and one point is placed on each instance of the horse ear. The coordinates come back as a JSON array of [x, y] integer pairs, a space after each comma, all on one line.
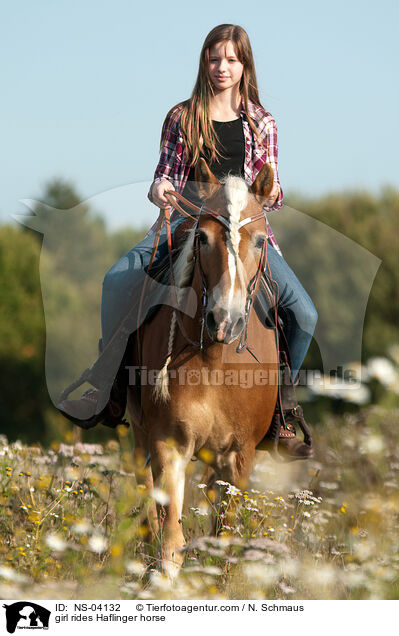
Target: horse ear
[[205, 180], [263, 183]]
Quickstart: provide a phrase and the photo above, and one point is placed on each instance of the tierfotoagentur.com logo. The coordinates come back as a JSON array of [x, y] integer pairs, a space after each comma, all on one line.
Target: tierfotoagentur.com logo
[[26, 615], [242, 377]]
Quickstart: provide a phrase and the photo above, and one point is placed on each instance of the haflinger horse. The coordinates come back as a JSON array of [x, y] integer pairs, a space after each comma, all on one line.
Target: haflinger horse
[[200, 406]]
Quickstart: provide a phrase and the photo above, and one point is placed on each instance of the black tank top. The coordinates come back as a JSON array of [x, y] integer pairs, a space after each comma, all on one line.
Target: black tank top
[[231, 145]]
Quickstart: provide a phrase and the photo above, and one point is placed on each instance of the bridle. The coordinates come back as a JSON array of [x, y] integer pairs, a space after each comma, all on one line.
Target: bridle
[[252, 286], [164, 218]]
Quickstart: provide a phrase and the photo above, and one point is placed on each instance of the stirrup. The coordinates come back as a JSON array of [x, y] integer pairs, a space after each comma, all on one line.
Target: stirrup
[[297, 414], [111, 415], [287, 430], [70, 409]]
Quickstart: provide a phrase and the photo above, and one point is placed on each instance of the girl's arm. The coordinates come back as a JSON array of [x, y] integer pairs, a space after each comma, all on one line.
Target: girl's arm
[[269, 135], [170, 154]]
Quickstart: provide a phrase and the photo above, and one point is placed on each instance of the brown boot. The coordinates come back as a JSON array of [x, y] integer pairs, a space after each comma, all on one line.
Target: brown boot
[[82, 412], [290, 447], [287, 445]]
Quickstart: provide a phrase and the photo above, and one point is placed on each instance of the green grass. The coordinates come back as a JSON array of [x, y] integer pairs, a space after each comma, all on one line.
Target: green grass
[[72, 522]]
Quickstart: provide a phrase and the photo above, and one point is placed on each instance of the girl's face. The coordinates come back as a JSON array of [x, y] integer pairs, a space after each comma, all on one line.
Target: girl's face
[[225, 69]]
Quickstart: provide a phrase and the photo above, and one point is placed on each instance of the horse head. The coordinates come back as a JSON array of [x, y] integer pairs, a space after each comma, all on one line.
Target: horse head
[[230, 246]]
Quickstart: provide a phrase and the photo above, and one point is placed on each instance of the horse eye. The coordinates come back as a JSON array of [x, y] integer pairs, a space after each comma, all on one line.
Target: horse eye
[[203, 239], [259, 240]]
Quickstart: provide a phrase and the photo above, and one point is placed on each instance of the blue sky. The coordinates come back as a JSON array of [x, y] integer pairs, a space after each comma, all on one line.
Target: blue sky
[[86, 85]]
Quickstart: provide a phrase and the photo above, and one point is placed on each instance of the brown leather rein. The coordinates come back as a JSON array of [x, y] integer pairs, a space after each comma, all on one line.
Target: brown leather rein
[[164, 219]]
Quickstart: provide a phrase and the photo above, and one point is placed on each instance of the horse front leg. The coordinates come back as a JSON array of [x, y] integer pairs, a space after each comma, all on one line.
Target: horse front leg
[[144, 478], [142, 469], [169, 470]]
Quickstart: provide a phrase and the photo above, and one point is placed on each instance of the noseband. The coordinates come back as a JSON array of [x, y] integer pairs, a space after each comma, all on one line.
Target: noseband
[[164, 217]]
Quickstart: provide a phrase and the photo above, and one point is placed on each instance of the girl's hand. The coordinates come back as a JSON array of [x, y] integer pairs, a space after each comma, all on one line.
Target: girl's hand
[[158, 193], [273, 195]]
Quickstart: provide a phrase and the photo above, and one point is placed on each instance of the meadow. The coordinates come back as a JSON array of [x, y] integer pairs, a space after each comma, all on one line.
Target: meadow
[[71, 513], [72, 521]]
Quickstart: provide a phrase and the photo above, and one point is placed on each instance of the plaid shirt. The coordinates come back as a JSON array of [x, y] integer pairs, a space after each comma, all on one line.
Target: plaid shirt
[[174, 164]]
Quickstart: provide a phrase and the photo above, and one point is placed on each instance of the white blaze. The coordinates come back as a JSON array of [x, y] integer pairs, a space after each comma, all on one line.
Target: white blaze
[[236, 192]]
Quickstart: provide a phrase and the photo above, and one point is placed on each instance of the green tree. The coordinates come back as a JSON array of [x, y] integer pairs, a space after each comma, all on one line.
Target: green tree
[[74, 251], [23, 395]]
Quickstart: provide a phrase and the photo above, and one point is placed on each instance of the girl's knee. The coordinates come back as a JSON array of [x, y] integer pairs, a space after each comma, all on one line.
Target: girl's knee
[[109, 280], [309, 317]]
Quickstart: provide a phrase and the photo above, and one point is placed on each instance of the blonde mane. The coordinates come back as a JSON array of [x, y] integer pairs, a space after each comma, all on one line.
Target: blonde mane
[[182, 271], [236, 192]]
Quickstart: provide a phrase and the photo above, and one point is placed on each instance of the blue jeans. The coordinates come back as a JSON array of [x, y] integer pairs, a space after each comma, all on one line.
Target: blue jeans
[[295, 305], [123, 283]]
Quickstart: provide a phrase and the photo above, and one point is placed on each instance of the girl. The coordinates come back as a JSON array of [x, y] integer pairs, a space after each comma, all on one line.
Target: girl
[[225, 123]]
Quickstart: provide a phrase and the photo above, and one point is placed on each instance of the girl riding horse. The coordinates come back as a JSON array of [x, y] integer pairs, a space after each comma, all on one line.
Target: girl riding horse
[[224, 123]]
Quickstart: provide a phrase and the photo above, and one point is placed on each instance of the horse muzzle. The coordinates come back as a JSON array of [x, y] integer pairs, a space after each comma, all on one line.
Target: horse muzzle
[[224, 327]]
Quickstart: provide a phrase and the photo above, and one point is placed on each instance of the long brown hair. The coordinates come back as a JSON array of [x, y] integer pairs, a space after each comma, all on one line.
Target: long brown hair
[[198, 132]]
